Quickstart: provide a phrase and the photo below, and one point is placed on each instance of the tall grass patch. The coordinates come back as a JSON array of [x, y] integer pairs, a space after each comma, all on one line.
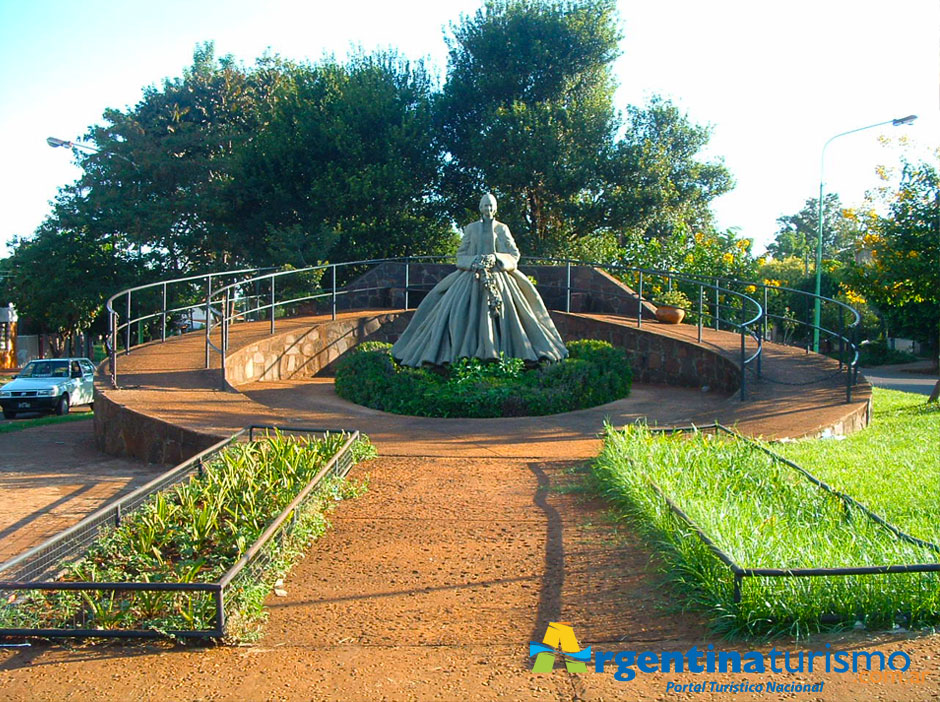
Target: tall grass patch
[[893, 466], [193, 533], [762, 514]]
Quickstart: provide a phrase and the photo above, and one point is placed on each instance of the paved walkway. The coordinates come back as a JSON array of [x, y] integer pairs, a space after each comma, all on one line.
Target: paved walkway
[[800, 394], [919, 377], [52, 476]]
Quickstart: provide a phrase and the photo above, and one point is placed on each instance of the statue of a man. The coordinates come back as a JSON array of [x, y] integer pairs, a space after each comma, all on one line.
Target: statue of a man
[[483, 309]]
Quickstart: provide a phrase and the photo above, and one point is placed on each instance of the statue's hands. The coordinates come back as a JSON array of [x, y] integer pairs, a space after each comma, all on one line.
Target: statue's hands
[[484, 261]]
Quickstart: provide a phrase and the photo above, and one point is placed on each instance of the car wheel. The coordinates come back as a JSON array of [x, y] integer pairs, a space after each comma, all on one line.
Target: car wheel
[[7, 414], [63, 406]]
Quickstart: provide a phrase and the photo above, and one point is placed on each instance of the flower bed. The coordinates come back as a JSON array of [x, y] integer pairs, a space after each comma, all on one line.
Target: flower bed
[[197, 557], [593, 374]]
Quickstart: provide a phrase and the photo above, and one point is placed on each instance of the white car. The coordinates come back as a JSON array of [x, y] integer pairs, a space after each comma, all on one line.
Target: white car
[[49, 385]]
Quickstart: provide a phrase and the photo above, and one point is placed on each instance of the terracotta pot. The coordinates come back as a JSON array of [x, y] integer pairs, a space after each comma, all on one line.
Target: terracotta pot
[[670, 315]]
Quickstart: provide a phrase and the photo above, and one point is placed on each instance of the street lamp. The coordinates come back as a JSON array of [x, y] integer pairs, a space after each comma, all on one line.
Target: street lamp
[[55, 143], [819, 240]]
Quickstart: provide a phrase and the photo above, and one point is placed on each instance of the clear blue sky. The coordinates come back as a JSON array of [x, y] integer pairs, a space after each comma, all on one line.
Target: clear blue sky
[[775, 80]]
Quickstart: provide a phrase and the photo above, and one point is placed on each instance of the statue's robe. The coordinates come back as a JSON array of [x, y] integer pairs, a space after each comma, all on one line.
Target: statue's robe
[[454, 320]]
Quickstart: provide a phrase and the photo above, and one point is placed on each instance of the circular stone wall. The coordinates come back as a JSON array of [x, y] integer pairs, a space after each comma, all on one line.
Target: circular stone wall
[[656, 358]]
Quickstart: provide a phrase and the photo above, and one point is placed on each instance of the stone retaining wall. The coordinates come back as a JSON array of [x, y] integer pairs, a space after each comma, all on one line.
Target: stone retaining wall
[[304, 354], [656, 358], [123, 431]]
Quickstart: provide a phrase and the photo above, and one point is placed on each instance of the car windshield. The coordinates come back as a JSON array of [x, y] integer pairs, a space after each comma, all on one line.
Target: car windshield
[[46, 369]]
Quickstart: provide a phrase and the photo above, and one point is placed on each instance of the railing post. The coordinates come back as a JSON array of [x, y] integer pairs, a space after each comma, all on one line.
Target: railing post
[[407, 281], [208, 316], [272, 302], [841, 336], [760, 348], [568, 286], [701, 294], [163, 317], [639, 302], [811, 324], [127, 327], [743, 351], [112, 353], [223, 342], [717, 305], [220, 612], [764, 322], [851, 370], [333, 302]]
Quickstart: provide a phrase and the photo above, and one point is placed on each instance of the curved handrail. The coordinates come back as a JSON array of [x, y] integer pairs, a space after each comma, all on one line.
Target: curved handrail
[[115, 327], [845, 336], [222, 299], [227, 304]]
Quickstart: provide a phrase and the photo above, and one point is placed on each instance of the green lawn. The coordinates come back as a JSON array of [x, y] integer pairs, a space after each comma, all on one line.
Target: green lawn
[[20, 424], [766, 515], [893, 466]]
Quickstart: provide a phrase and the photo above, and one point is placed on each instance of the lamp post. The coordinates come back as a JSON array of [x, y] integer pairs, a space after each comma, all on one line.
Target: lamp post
[[819, 239]]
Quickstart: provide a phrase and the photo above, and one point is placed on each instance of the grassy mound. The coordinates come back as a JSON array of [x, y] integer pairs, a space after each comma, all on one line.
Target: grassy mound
[[594, 373]]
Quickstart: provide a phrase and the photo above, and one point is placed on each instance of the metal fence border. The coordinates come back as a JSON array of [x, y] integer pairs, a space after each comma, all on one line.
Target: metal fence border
[[42, 560], [740, 573], [747, 317]]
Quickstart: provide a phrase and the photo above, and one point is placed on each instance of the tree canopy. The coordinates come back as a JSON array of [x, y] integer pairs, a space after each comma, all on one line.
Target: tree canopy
[[798, 234], [295, 163], [900, 271], [527, 112]]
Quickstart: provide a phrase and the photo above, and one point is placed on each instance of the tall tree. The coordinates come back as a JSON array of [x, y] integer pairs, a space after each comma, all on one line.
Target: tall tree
[[798, 234], [344, 167], [61, 276], [527, 112], [160, 180], [902, 277], [656, 186]]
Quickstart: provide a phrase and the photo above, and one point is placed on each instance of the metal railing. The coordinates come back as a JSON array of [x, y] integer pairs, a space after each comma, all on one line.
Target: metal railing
[[781, 326], [741, 307], [197, 288], [740, 573], [39, 570]]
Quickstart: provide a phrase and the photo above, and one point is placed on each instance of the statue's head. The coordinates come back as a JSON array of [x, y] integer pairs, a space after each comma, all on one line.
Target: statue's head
[[488, 206]]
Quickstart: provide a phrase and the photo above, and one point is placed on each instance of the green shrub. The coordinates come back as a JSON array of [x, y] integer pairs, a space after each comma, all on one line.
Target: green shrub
[[877, 353], [673, 298], [594, 373]]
